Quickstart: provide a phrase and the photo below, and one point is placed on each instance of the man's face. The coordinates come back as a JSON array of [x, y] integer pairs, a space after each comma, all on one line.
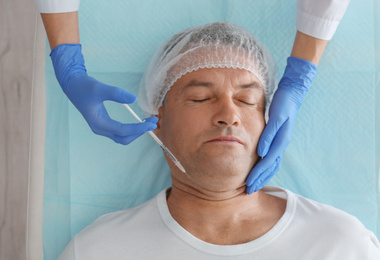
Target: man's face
[[211, 121]]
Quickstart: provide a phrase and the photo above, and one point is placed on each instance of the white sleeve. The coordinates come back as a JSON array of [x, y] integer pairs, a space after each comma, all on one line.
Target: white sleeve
[[320, 18], [57, 6], [69, 252], [374, 247]]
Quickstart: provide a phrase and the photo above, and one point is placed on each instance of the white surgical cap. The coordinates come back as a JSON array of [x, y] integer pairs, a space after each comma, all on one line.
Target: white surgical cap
[[215, 45]]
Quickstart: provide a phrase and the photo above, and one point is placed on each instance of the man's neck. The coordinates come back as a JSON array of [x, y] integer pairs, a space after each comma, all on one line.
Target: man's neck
[[225, 218]]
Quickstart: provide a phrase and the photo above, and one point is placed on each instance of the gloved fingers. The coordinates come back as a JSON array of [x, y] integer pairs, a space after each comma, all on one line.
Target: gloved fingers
[[270, 164], [116, 94], [276, 150], [152, 119], [132, 129], [273, 158], [108, 126], [130, 138], [264, 177], [267, 176], [268, 135], [280, 142], [261, 167], [125, 140]]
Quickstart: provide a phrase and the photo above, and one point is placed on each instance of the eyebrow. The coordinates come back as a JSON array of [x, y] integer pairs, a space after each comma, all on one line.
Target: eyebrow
[[254, 85], [196, 83]]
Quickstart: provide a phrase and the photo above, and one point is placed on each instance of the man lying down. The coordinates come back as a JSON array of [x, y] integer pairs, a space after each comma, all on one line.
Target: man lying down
[[210, 87]]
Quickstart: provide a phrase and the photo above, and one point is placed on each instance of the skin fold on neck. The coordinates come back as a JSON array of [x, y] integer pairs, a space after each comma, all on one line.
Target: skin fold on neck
[[227, 218]]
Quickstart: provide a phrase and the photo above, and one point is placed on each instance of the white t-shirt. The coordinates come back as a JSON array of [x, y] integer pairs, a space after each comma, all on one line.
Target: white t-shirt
[[307, 230], [317, 18]]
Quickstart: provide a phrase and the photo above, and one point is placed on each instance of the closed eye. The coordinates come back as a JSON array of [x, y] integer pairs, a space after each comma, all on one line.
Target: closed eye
[[200, 100], [247, 103]]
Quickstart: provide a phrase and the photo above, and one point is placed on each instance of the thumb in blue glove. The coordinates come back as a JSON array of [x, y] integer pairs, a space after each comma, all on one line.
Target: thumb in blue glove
[[87, 95], [276, 136]]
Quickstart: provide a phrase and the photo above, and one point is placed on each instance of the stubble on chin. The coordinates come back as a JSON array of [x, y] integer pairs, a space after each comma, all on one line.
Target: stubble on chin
[[218, 174]]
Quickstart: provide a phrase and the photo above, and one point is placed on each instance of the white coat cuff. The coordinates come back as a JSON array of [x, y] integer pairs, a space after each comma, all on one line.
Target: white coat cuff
[[315, 26], [57, 6]]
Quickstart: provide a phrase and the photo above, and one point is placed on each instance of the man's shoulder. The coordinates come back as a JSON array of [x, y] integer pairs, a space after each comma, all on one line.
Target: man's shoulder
[[319, 211], [327, 220], [309, 212], [115, 234], [124, 216], [324, 230], [114, 224]]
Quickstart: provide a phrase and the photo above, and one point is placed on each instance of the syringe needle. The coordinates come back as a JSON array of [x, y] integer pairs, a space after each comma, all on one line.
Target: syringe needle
[[159, 142]]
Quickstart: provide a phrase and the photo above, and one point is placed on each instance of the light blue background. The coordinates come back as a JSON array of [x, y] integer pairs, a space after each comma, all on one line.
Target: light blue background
[[334, 153]]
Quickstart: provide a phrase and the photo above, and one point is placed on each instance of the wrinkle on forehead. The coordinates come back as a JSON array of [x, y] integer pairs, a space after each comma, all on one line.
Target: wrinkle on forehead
[[211, 78]]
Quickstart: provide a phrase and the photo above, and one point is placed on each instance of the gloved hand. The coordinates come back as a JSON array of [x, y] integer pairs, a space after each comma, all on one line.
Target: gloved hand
[[276, 136], [87, 95]]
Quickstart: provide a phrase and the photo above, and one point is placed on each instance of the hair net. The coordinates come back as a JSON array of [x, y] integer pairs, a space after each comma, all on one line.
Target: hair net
[[215, 45]]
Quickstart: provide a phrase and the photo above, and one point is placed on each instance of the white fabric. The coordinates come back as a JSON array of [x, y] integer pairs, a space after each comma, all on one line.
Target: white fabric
[[307, 230], [317, 18], [320, 18], [57, 6]]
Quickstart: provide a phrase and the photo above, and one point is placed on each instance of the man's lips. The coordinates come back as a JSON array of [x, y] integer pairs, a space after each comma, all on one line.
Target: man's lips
[[227, 139]]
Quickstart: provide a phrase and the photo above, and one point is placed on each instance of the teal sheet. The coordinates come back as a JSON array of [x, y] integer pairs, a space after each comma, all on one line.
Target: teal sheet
[[335, 149]]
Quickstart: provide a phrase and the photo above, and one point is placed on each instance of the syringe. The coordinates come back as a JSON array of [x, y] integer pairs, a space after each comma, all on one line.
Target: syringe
[[158, 141]]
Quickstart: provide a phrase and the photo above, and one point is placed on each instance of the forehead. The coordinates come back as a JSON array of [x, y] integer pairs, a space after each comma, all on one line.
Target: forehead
[[216, 77]]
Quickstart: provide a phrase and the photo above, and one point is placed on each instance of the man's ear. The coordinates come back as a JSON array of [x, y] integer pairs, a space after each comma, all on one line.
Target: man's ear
[[159, 116]]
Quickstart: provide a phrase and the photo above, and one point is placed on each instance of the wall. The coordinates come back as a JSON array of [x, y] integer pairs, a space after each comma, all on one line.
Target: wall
[[17, 21]]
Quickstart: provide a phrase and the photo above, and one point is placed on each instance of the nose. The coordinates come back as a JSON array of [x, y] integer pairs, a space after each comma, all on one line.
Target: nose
[[226, 113]]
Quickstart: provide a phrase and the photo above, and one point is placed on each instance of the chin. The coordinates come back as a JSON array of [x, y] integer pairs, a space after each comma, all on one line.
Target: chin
[[232, 163], [225, 168]]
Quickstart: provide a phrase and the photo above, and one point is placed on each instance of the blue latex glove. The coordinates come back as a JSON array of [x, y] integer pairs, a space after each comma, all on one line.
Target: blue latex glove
[[276, 136], [87, 95]]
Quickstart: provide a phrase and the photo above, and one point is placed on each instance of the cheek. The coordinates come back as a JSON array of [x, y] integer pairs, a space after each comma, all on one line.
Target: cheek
[[182, 127], [255, 127], [191, 124]]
